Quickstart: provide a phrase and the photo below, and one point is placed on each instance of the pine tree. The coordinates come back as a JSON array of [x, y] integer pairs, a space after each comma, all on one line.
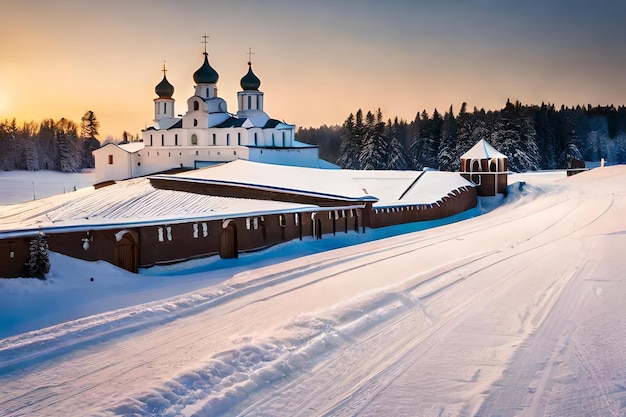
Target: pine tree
[[397, 155], [351, 141], [88, 146], [375, 151], [69, 153], [38, 265], [515, 137], [446, 157], [89, 125]]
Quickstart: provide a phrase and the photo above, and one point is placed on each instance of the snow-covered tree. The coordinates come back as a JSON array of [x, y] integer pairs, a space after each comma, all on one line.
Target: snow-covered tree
[[398, 159], [38, 265], [375, 151], [69, 153], [447, 157]]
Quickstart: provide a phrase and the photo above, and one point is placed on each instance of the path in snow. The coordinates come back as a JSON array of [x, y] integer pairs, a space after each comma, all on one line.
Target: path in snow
[[517, 312]]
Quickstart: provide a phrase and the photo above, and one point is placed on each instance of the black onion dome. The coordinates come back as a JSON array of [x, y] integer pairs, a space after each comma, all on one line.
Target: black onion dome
[[164, 89], [205, 74], [250, 81]]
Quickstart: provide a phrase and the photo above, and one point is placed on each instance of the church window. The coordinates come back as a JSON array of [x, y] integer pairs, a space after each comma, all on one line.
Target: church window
[[196, 105], [228, 139], [150, 140], [176, 139], [195, 122], [258, 100], [214, 139], [249, 102], [162, 140], [110, 159], [238, 138], [207, 92], [284, 143], [194, 139], [255, 142], [196, 153], [164, 108]]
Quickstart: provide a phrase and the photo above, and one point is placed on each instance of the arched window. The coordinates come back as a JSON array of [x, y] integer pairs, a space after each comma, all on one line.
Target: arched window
[[196, 105], [214, 139], [162, 140], [238, 138], [255, 140], [195, 122], [228, 139], [194, 139]]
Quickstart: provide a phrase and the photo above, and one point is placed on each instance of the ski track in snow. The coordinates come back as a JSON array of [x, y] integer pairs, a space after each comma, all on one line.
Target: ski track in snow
[[517, 312]]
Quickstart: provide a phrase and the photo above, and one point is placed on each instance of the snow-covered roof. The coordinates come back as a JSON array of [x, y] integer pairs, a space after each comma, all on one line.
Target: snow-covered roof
[[482, 150], [400, 188], [129, 203], [383, 188], [292, 179], [130, 147]]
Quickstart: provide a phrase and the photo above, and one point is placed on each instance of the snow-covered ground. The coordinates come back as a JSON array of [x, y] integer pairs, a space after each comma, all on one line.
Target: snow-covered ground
[[21, 186], [516, 312]]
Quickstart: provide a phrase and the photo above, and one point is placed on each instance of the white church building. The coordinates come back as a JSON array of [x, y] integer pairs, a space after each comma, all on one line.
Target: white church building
[[206, 134]]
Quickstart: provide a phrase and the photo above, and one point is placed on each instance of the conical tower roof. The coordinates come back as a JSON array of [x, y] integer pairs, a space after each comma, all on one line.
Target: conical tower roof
[[482, 150]]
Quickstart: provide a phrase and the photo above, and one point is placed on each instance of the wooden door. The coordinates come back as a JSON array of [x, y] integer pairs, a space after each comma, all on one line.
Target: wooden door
[[125, 253], [228, 242]]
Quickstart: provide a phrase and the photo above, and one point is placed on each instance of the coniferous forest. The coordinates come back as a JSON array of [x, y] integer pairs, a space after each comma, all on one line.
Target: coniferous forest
[[52, 144], [533, 137]]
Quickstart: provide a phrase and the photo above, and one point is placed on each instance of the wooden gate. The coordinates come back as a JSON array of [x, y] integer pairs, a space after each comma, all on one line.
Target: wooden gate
[[228, 241], [125, 253]]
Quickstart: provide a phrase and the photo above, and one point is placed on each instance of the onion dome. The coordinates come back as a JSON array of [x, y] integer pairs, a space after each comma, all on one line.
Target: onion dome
[[205, 74], [164, 89], [250, 81]]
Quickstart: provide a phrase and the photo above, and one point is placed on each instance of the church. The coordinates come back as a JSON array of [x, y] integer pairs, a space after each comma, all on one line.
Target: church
[[207, 133]]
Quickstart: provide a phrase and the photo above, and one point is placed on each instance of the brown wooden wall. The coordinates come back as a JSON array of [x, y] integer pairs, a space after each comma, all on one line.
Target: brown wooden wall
[[453, 204], [179, 243]]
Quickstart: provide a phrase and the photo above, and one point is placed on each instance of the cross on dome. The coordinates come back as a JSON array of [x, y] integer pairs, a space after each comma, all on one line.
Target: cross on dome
[[205, 41], [250, 53]]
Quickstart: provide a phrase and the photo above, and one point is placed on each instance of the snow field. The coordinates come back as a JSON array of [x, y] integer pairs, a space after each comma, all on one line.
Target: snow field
[[518, 312]]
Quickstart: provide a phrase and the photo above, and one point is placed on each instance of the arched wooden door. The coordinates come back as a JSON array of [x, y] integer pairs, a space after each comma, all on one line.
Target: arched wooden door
[[126, 253], [228, 241]]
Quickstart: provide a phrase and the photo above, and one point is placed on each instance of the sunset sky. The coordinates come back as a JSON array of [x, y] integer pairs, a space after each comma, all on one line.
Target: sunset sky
[[318, 61]]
